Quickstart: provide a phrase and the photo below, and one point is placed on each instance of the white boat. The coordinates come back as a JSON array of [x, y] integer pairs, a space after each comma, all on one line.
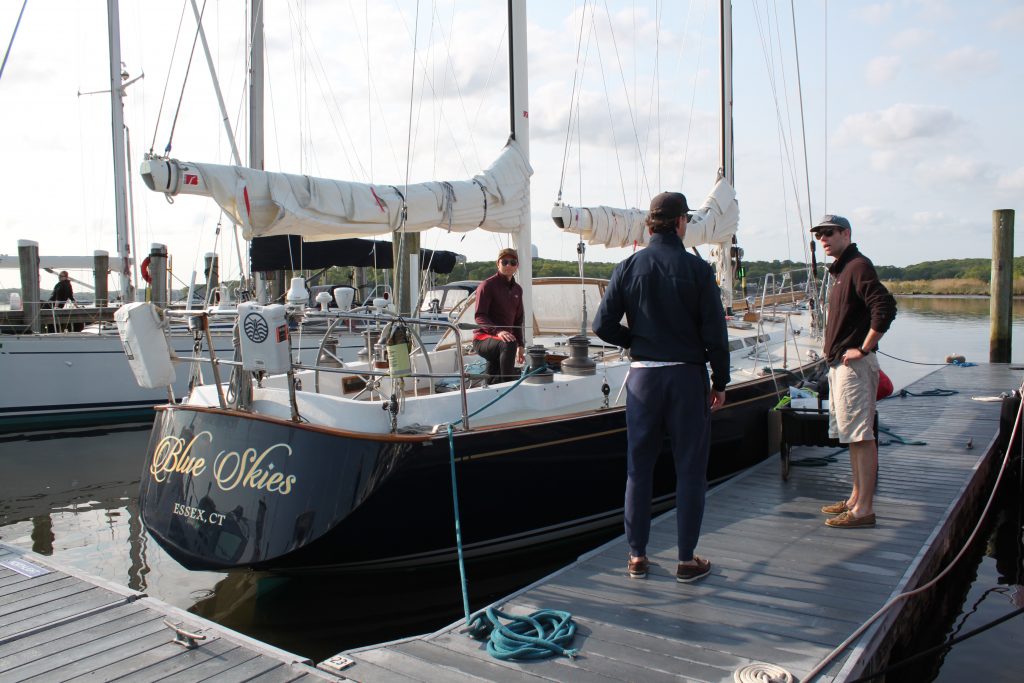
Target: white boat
[[289, 467]]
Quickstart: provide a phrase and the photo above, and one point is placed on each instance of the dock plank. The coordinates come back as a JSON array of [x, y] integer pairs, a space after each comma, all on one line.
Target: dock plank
[[67, 626], [784, 588]]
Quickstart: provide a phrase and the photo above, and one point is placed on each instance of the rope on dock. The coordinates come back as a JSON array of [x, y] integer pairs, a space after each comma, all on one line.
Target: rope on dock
[[539, 635], [507, 635], [762, 672]]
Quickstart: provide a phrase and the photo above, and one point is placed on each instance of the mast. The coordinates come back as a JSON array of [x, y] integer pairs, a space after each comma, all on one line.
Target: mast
[[256, 136], [725, 251], [728, 154], [117, 138], [520, 132]]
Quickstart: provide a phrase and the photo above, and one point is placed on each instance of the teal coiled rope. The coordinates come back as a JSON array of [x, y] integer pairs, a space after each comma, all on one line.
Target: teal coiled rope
[[553, 629], [542, 634]]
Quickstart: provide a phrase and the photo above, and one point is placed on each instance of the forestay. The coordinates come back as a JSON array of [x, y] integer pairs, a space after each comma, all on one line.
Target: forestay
[[265, 203]]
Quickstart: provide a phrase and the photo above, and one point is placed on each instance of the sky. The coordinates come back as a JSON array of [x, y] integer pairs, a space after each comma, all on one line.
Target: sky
[[903, 115]]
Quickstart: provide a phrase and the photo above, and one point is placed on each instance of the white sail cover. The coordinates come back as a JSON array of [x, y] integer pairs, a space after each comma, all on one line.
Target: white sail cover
[[714, 223], [265, 203]]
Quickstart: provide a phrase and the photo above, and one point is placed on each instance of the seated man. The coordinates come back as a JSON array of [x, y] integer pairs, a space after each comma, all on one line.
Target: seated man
[[499, 312]]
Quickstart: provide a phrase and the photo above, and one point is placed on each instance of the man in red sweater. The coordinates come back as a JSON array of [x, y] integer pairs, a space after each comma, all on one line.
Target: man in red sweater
[[499, 312]]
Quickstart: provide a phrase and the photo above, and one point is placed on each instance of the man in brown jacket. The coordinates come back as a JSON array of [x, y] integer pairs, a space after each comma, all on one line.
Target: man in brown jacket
[[860, 311]]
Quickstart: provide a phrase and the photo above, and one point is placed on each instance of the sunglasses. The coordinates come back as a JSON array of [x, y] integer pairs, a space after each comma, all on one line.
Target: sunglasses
[[825, 232], [509, 262]]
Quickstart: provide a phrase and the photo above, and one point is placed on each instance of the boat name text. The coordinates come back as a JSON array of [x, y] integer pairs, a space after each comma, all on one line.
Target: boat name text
[[204, 516], [249, 468]]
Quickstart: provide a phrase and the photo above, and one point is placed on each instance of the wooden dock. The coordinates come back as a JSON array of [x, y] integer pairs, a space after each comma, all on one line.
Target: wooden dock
[[784, 589], [57, 624]]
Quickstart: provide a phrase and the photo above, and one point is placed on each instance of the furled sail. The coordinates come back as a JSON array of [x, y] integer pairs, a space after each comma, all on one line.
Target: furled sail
[[265, 203], [714, 223]]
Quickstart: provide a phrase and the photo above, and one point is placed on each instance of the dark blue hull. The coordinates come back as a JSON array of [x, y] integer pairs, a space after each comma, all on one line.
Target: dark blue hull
[[228, 489]]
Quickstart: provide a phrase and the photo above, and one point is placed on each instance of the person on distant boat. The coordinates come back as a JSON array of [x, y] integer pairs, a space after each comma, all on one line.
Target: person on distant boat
[[62, 291], [860, 311], [499, 312], [676, 325]]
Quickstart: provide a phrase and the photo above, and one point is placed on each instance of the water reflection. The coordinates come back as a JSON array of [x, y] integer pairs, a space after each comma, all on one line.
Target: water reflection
[[946, 307]]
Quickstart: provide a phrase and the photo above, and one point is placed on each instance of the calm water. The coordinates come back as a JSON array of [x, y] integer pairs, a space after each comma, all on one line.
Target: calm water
[[72, 495]]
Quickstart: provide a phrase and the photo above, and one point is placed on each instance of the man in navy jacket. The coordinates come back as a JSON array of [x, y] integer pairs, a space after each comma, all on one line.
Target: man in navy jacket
[[675, 326]]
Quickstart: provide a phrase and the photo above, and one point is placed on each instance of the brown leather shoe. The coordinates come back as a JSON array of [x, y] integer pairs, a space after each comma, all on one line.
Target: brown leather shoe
[[637, 567], [835, 508], [685, 573], [847, 521]]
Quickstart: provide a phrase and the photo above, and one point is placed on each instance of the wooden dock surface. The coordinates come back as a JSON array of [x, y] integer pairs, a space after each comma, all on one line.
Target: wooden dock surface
[[57, 624], [784, 588]]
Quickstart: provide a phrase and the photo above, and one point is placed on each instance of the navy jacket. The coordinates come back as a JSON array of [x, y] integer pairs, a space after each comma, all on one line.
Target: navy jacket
[[672, 305]]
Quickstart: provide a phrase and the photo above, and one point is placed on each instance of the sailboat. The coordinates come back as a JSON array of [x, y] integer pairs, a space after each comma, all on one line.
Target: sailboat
[[290, 467]]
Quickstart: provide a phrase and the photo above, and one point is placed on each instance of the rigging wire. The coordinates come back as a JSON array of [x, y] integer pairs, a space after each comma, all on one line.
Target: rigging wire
[[181, 95], [577, 78], [611, 116], [783, 137], [803, 122], [399, 270], [17, 23], [693, 88], [629, 105]]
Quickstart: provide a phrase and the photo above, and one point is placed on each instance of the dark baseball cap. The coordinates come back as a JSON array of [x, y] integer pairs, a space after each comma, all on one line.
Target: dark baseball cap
[[669, 205], [831, 220]]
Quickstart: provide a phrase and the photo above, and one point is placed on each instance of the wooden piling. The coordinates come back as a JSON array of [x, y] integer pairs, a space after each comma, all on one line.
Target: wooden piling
[[28, 263], [1001, 303], [401, 291], [211, 270], [158, 273], [100, 270]]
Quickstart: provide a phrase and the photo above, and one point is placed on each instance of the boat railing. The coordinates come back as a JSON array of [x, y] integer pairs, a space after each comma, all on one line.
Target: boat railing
[[56, 317], [198, 322]]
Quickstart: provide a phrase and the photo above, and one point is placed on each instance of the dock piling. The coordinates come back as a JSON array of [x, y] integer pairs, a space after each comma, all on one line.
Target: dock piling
[[28, 262], [1001, 287]]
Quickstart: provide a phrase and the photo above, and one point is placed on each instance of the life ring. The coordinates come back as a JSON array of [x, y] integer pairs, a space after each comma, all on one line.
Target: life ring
[[145, 270]]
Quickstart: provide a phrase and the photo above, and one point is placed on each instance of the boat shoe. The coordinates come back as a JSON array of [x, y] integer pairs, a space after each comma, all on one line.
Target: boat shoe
[[685, 573], [846, 520], [637, 567], [836, 508]]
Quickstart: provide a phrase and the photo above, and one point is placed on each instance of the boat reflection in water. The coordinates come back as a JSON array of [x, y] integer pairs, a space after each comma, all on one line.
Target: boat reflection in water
[[81, 485]]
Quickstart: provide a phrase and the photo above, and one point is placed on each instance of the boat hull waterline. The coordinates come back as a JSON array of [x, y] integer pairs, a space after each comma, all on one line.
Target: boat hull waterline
[[227, 489]]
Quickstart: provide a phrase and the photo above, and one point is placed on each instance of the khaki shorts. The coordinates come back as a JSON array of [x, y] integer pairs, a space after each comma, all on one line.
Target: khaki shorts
[[851, 399]]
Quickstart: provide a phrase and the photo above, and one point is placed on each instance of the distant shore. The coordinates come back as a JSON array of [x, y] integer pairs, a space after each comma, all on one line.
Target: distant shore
[[948, 287]]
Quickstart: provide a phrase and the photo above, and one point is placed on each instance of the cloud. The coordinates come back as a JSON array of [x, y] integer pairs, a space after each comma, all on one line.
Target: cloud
[[876, 13], [912, 39], [870, 218], [881, 70], [1012, 20], [1014, 180], [900, 123], [935, 10], [969, 61], [952, 169]]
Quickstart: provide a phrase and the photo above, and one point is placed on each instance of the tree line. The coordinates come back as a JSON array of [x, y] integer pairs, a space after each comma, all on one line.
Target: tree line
[[972, 268]]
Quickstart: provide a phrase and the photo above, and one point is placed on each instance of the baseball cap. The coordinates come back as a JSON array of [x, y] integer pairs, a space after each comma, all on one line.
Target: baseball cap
[[669, 205], [831, 220]]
